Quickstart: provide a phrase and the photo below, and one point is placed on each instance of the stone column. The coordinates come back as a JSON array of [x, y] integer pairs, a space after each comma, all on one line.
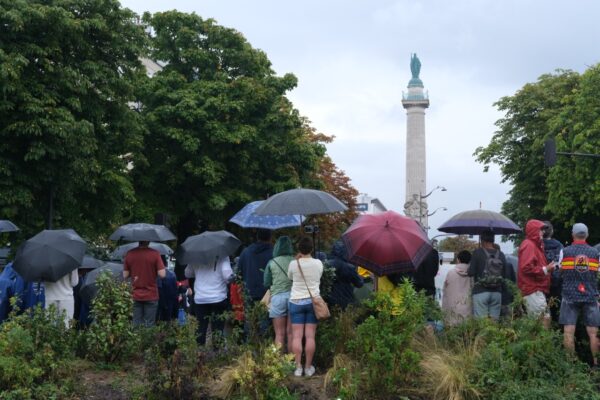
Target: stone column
[[415, 103]]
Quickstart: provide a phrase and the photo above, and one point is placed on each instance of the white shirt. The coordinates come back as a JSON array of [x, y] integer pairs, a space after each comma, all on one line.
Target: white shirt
[[62, 289], [211, 281], [312, 269]]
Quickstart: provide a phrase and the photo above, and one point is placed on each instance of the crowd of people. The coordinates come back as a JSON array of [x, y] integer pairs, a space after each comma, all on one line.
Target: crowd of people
[[552, 280]]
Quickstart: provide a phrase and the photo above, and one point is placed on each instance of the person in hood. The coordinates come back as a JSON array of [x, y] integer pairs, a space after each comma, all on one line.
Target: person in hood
[[346, 277], [456, 298], [252, 264], [533, 275], [579, 271], [276, 279]]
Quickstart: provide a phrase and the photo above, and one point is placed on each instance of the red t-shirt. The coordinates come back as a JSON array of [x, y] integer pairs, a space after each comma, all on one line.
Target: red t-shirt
[[143, 264]]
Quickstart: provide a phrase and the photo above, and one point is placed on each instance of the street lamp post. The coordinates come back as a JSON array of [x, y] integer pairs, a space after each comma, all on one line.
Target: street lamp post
[[421, 197]]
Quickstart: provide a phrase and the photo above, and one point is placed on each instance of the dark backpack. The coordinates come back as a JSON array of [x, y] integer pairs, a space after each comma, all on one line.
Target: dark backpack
[[493, 271]]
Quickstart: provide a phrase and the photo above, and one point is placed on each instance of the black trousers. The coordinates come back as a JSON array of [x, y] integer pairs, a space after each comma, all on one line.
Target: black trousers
[[212, 313]]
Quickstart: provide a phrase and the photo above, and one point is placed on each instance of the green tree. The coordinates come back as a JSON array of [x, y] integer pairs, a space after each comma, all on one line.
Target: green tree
[[456, 244], [536, 112], [220, 130], [67, 73]]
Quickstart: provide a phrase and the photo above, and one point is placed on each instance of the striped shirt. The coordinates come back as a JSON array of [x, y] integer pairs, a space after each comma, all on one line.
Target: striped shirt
[[579, 269]]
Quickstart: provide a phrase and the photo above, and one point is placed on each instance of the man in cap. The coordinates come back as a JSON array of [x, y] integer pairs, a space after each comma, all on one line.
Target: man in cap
[[579, 290]]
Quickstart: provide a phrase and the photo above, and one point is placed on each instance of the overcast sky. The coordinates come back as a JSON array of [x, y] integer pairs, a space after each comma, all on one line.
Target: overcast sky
[[352, 59]]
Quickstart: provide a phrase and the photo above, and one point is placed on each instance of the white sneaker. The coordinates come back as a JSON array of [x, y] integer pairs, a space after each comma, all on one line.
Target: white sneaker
[[298, 371], [310, 371]]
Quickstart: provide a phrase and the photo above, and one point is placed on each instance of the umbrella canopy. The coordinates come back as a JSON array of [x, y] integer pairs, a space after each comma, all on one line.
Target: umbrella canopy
[[50, 255], [386, 243], [246, 218], [89, 289], [7, 226], [300, 202], [142, 232], [90, 262], [121, 251], [476, 221], [206, 247]]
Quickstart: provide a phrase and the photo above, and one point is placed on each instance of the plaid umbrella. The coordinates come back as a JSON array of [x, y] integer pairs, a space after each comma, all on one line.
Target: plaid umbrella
[[386, 243]]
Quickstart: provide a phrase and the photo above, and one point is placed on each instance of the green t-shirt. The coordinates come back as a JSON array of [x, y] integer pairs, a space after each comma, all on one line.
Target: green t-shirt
[[275, 277]]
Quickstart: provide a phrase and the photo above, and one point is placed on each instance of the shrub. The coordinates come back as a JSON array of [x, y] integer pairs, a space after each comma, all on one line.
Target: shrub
[[111, 337], [173, 363], [343, 377], [335, 333], [257, 376], [382, 344], [35, 354]]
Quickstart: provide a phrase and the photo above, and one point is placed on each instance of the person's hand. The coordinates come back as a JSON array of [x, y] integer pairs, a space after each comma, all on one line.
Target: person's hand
[[551, 267], [189, 292]]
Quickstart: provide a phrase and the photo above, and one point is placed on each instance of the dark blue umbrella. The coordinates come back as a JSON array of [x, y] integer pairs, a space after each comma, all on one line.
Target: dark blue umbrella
[[7, 226], [475, 222], [247, 219], [300, 202], [207, 247]]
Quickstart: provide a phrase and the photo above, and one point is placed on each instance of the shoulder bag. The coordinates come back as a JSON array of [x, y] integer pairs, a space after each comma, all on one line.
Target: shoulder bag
[[319, 305]]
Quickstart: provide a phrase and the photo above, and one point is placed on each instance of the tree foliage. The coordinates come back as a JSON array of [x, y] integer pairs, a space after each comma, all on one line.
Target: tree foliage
[[564, 105], [67, 69], [456, 244], [220, 130]]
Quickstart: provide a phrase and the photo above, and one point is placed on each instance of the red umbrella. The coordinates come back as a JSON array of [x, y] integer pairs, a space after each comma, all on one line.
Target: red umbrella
[[386, 243]]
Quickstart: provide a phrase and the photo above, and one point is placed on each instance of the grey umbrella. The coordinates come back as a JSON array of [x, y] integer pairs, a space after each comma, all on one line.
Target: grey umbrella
[[474, 222], [89, 289], [207, 247], [300, 202], [90, 262], [50, 255], [142, 232], [121, 251], [7, 226]]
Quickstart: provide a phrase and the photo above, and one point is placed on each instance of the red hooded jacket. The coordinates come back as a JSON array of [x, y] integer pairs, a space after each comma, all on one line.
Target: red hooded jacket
[[532, 260]]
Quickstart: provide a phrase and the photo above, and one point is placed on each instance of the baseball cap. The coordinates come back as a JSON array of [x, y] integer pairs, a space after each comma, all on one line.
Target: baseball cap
[[580, 228]]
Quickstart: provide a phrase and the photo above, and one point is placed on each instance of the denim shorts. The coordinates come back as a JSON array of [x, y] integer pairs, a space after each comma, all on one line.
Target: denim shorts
[[279, 305], [570, 311], [302, 313]]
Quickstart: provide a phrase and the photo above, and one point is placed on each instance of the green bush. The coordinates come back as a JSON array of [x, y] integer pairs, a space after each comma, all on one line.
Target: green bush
[[175, 367], [257, 376], [382, 345], [111, 337], [35, 353]]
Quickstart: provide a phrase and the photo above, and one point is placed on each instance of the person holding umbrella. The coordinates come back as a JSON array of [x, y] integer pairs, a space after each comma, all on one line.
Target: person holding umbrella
[[210, 294], [487, 269], [144, 265], [305, 273]]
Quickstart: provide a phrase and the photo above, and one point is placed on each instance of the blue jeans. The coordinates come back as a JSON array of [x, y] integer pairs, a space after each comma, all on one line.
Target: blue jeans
[[487, 304], [303, 313]]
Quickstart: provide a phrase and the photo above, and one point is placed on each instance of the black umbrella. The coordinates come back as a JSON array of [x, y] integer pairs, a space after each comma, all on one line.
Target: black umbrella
[[90, 262], [7, 226], [300, 202], [89, 289], [121, 251], [50, 255], [142, 232], [474, 222], [207, 247]]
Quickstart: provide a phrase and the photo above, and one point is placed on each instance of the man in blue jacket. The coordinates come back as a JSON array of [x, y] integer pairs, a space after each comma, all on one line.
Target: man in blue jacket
[[346, 277], [252, 264]]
